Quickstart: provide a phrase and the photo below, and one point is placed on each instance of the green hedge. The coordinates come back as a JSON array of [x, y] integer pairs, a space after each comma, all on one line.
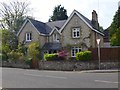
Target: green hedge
[[84, 56], [50, 57]]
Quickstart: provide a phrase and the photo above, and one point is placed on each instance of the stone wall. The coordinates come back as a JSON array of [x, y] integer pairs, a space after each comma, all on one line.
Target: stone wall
[[14, 65], [75, 65], [65, 65]]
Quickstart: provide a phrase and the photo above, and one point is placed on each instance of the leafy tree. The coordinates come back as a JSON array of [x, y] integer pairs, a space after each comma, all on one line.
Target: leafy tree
[[115, 39], [115, 29], [8, 42], [13, 14], [22, 48], [9, 38], [34, 50], [59, 13]]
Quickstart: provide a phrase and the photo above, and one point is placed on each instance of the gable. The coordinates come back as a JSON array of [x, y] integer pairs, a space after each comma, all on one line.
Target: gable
[[54, 29], [28, 28], [27, 25], [83, 18]]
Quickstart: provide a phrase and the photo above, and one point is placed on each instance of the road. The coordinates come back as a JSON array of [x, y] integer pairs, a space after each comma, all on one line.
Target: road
[[26, 78]]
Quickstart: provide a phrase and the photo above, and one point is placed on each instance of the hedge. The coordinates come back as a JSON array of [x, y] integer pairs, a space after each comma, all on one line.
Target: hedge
[[84, 56], [50, 57]]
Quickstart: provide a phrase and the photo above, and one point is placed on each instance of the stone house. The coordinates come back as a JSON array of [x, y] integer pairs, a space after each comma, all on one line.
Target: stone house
[[77, 33], [106, 37]]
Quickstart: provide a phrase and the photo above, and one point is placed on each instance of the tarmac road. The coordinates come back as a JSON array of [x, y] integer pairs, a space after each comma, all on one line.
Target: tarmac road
[[26, 78]]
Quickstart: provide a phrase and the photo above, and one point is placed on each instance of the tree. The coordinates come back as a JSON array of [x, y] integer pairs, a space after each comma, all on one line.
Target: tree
[[9, 38], [13, 14], [8, 42], [115, 39], [115, 29], [59, 13], [34, 50]]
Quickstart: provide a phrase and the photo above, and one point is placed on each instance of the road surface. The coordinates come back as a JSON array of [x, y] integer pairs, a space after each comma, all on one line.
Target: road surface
[[26, 78]]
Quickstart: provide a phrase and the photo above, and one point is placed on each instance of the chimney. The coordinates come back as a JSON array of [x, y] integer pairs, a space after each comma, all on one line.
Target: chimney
[[95, 20]]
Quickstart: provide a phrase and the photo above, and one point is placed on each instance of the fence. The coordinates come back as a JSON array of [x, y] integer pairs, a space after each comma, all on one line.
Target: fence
[[106, 54]]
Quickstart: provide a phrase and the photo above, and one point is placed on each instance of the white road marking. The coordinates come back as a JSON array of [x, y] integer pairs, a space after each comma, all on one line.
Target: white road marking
[[33, 75], [106, 81], [45, 76], [56, 77]]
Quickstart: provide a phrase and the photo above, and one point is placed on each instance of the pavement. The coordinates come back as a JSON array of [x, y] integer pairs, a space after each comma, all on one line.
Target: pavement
[[101, 71]]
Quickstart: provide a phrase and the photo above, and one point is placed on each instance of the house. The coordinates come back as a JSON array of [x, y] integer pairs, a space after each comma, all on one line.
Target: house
[[107, 37], [77, 33]]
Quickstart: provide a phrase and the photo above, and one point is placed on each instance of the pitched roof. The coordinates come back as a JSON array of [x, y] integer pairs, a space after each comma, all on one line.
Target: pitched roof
[[106, 35], [40, 26], [47, 28], [57, 24]]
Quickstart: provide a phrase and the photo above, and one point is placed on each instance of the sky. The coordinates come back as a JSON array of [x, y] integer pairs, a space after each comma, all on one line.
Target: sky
[[42, 9]]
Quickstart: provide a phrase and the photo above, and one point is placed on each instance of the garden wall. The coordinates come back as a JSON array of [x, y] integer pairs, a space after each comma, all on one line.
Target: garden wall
[[75, 65], [65, 65]]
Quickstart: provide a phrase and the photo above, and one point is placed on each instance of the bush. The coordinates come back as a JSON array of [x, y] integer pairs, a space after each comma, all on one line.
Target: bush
[[63, 55], [28, 61], [3, 57], [14, 55], [85, 55], [50, 57]]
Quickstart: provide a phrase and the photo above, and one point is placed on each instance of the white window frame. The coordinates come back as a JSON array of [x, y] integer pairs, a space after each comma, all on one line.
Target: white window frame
[[55, 37], [75, 50], [28, 36], [75, 32]]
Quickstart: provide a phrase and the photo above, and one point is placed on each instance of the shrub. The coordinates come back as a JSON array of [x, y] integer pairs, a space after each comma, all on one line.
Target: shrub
[[14, 55], [3, 57], [28, 61], [50, 57], [85, 55], [63, 54], [34, 50]]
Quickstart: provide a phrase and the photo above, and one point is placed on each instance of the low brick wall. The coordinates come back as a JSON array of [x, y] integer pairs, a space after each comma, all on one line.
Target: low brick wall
[[75, 65]]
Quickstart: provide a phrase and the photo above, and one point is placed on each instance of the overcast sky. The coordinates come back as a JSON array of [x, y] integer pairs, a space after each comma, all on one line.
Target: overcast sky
[[43, 9]]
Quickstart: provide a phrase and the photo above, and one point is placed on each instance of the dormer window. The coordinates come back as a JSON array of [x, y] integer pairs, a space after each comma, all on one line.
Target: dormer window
[[28, 36], [76, 32]]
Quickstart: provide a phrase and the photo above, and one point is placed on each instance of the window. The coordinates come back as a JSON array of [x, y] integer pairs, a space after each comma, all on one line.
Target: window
[[75, 50], [28, 36], [55, 37], [76, 32]]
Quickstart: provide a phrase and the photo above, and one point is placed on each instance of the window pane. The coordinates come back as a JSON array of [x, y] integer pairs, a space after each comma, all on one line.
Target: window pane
[[76, 50], [79, 49], [74, 34], [27, 36], [30, 36], [78, 33]]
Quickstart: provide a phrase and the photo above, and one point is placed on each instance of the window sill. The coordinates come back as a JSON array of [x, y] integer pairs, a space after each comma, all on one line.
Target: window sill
[[75, 37], [28, 40]]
